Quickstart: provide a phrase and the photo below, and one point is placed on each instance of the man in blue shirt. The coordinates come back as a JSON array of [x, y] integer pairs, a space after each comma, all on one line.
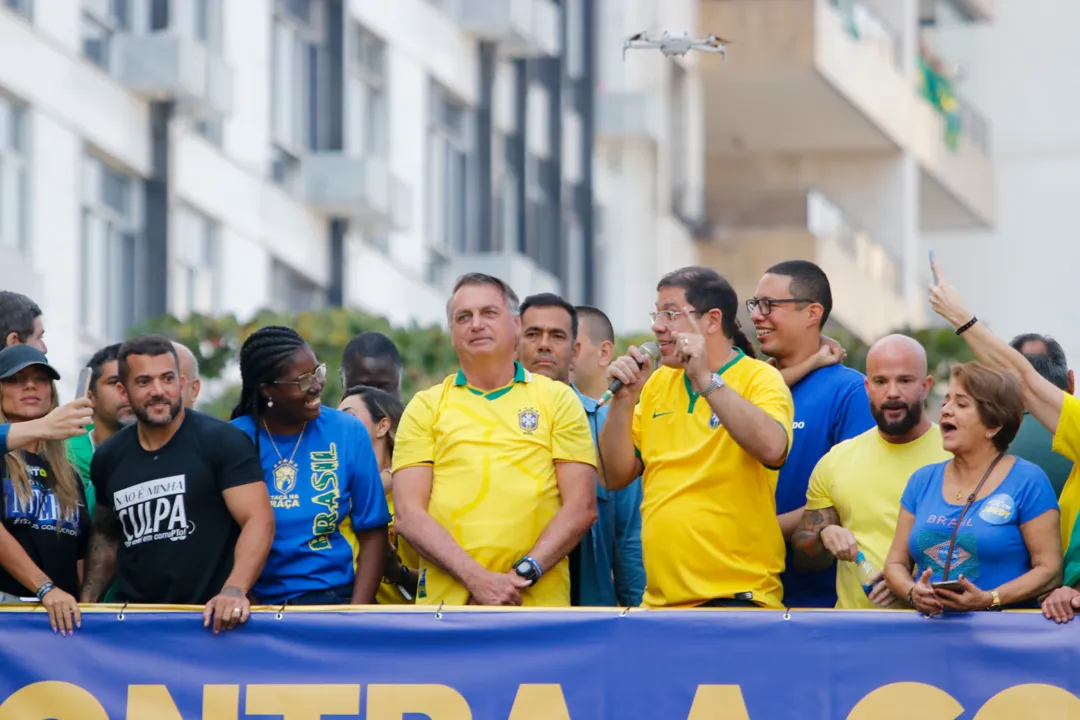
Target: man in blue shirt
[[789, 309], [606, 567]]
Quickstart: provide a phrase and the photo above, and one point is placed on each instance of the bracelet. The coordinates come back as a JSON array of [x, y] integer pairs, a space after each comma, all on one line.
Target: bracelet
[[995, 603], [909, 593], [966, 326], [44, 590]]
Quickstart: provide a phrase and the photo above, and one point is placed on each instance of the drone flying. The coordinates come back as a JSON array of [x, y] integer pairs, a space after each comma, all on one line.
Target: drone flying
[[676, 43]]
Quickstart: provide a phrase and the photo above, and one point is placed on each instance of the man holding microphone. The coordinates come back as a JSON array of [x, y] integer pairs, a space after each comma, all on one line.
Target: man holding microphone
[[708, 435]]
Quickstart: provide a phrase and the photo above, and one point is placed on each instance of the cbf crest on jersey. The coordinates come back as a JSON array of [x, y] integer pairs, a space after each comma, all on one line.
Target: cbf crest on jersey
[[528, 419], [714, 422]]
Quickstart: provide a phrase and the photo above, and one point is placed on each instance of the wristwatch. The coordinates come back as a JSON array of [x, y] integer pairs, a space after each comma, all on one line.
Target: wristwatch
[[529, 569], [995, 603], [716, 383]]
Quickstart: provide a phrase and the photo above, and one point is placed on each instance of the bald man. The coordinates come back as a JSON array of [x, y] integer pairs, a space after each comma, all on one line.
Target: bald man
[[189, 369], [855, 489]]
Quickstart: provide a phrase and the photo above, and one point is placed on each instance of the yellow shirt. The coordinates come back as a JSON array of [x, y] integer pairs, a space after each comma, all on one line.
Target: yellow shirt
[[494, 486], [708, 515], [863, 479], [1067, 443]]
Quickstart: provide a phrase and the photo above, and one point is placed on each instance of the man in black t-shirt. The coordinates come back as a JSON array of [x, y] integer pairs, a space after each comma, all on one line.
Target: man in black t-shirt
[[183, 514]]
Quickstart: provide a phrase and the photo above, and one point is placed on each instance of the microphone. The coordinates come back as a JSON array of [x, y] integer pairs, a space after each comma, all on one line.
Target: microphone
[[652, 350]]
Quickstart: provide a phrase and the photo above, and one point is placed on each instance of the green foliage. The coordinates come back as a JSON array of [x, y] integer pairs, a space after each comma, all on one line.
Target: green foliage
[[944, 348], [216, 341]]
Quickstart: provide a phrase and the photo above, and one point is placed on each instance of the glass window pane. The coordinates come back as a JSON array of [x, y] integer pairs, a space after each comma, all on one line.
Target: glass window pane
[[95, 42], [311, 96], [115, 191]]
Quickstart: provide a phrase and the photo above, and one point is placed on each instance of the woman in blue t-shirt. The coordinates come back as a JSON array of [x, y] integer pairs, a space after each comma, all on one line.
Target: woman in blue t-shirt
[[1005, 547], [322, 475]]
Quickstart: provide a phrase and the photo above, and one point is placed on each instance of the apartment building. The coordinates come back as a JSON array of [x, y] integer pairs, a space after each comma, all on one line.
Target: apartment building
[[1022, 69], [207, 156], [823, 144]]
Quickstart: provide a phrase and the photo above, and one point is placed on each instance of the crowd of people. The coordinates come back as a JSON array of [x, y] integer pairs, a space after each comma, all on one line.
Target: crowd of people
[[546, 471]]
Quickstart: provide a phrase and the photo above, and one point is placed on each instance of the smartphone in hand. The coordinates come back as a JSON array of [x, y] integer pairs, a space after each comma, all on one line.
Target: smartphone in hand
[[933, 270], [82, 389], [950, 585]]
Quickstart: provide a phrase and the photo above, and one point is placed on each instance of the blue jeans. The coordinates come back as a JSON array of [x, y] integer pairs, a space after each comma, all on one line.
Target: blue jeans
[[340, 595]]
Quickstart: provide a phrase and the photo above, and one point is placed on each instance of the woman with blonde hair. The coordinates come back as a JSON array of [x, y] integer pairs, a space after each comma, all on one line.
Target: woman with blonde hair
[[44, 525]]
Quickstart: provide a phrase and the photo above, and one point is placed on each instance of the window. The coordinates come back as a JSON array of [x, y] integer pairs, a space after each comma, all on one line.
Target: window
[[291, 291], [369, 109], [541, 238], [195, 266], [23, 7], [208, 28], [14, 184], [111, 248], [447, 172], [101, 20], [298, 68]]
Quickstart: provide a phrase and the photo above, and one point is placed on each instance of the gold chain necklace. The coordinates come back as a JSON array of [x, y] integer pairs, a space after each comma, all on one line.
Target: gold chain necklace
[[285, 471]]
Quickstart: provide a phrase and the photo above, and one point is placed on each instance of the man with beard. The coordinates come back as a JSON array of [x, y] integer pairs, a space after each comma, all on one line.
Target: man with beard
[[183, 514], [854, 494], [790, 307], [111, 413], [605, 567]]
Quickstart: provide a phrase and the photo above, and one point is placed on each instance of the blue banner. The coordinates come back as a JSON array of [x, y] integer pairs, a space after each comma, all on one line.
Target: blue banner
[[411, 664]]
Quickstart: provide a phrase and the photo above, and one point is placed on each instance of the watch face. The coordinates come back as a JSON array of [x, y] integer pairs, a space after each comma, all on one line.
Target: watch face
[[523, 568]]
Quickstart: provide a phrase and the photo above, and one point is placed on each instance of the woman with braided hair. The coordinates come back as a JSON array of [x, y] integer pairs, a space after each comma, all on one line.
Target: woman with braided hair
[[322, 474]]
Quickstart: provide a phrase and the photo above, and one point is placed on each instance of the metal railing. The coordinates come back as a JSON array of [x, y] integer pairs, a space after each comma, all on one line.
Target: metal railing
[[866, 25]]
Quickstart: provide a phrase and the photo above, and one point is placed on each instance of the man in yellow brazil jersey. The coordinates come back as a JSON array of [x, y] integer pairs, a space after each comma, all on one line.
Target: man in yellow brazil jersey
[[494, 469], [855, 489], [708, 435]]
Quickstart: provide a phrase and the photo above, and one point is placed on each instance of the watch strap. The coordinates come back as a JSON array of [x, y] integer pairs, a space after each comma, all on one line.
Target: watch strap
[[715, 384]]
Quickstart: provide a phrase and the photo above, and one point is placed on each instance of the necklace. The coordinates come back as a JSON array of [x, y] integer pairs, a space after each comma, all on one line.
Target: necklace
[[285, 471]]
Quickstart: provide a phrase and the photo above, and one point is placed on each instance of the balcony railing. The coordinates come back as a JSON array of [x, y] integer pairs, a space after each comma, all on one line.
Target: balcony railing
[[813, 212], [974, 126], [867, 26]]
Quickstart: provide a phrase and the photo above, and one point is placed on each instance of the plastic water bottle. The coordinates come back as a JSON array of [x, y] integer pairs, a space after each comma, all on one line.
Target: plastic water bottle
[[866, 571]]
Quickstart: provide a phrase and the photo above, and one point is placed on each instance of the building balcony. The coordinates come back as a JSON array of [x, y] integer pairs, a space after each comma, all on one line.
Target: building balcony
[[811, 76], [167, 66], [521, 272], [629, 116], [522, 28], [358, 188], [970, 10], [755, 231]]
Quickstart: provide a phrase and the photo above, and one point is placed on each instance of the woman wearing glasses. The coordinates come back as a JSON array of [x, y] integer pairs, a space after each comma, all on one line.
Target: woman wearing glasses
[[380, 412], [982, 528], [322, 474]]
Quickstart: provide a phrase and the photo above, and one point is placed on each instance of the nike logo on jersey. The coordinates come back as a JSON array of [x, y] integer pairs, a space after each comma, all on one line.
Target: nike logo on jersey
[[659, 414]]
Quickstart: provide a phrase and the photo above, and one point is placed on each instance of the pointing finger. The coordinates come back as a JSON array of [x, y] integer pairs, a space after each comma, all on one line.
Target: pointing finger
[[692, 319]]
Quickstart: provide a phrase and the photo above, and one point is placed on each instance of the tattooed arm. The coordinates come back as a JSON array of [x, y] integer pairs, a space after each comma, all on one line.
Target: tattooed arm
[[820, 538], [101, 558]]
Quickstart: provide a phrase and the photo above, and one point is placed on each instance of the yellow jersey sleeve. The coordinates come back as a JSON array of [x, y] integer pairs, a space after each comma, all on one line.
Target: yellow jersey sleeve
[[571, 437], [819, 492], [415, 440], [1067, 437], [635, 428], [771, 394]]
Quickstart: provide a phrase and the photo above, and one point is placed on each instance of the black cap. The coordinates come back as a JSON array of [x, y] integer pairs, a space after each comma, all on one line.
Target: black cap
[[18, 357]]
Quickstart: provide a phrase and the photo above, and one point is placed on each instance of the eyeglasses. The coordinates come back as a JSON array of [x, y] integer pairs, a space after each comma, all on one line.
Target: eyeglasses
[[305, 381], [668, 317], [765, 305]]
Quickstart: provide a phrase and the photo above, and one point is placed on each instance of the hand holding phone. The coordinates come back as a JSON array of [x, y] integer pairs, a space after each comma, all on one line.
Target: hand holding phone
[[933, 269]]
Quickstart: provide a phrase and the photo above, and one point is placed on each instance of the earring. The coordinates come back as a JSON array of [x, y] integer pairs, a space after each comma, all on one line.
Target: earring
[[989, 435], [270, 403]]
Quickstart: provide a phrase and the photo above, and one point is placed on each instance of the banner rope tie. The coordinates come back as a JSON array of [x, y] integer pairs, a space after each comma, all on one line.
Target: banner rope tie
[[280, 612], [438, 613], [120, 615]]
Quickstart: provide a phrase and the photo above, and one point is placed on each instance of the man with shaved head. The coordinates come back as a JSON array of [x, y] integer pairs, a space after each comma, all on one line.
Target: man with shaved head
[[855, 489], [189, 370]]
